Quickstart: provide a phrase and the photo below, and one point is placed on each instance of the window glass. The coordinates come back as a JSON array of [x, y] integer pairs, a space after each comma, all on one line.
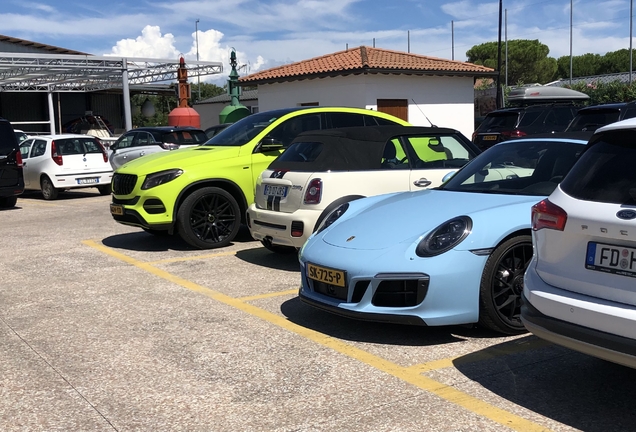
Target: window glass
[[39, 148], [143, 139], [593, 119], [91, 145], [339, 120], [125, 140], [605, 172], [629, 113], [529, 117], [517, 168], [501, 120], [25, 146], [377, 121], [186, 137], [302, 152], [429, 149], [394, 156], [455, 148], [289, 129]]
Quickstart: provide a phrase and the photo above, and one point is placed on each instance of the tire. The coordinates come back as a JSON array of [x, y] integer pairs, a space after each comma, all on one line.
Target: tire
[[105, 189], [283, 250], [209, 218], [49, 192], [502, 284], [8, 202]]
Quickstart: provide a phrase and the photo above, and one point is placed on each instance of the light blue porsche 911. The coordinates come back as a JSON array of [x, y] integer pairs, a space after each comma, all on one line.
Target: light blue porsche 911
[[445, 256]]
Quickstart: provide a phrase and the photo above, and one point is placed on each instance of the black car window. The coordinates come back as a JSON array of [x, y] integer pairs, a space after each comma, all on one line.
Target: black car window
[[39, 148], [563, 115], [528, 118], [185, 137], [500, 120], [605, 172], [377, 121], [340, 120], [143, 139], [629, 113], [125, 141], [289, 129], [593, 119], [8, 140]]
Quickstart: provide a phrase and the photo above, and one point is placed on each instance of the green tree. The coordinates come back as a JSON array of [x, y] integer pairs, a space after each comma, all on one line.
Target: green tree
[[528, 60], [583, 65]]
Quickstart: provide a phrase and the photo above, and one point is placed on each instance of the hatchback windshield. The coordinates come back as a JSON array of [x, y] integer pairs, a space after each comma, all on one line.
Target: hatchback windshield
[[517, 168], [242, 131]]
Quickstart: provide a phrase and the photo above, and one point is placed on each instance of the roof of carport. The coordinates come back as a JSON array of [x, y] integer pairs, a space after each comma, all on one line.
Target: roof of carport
[[21, 72]]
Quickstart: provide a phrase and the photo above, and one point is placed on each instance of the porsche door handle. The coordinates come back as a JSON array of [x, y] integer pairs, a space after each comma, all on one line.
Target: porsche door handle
[[422, 182]]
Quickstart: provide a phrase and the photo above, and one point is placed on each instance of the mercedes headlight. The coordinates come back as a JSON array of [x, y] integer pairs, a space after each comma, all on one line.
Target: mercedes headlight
[[445, 237], [332, 217], [161, 177]]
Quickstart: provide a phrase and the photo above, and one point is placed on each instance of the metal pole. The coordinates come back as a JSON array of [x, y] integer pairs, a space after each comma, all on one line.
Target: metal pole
[[51, 110], [452, 40], [631, 10], [499, 96], [408, 41], [196, 35], [126, 94], [506, 38], [570, 43]]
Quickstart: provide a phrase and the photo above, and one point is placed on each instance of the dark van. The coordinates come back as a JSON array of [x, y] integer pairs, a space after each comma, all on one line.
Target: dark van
[[11, 177]]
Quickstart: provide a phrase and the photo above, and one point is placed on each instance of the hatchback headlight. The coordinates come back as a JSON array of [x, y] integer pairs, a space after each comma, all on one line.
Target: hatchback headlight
[[161, 177], [445, 237], [332, 217]]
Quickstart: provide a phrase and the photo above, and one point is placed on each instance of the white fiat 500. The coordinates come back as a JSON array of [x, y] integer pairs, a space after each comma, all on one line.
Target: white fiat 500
[[580, 287], [54, 163], [323, 169]]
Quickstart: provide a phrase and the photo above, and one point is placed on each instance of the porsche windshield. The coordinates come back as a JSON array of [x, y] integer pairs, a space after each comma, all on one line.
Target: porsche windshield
[[242, 131], [528, 167]]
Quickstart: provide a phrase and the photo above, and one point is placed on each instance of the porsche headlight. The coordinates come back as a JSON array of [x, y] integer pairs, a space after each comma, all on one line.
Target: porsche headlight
[[445, 237], [161, 177], [332, 217]]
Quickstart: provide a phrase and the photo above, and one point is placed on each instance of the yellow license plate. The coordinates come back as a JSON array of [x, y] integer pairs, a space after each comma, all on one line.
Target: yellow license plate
[[116, 209], [328, 276], [490, 137]]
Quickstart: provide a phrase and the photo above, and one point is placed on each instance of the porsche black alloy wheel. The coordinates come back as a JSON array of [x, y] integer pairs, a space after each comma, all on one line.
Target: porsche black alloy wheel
[[502, 285], [209, 218]]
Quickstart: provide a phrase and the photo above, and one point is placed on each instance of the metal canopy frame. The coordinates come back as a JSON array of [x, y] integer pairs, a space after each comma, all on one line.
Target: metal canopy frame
[[20, 72]]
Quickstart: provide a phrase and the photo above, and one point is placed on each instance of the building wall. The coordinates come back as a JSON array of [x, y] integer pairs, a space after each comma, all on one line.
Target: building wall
[[446, 101], [209, 112]]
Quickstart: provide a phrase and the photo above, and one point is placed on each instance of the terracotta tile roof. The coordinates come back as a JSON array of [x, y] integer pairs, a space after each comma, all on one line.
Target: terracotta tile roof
[[365, 59]]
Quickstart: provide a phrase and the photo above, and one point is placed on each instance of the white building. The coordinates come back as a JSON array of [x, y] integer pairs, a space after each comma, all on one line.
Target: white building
[[419, 89]]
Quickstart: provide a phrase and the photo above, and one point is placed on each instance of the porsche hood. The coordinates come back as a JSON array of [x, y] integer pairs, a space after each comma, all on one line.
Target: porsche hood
[[404, 217]]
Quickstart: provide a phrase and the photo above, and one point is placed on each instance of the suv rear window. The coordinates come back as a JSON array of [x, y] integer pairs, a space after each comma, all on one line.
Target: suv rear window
[[529, 117], [605, 172], [503, 120]]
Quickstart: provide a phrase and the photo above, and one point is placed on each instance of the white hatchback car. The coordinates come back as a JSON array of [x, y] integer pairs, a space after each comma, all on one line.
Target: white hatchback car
[[323, 169], [53, 163], [579, 290]]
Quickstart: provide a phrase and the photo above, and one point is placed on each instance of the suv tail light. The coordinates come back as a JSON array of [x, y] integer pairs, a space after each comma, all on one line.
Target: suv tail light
[[548, 215], [314, 192], [57, 158], [18, 158], [516, 133]]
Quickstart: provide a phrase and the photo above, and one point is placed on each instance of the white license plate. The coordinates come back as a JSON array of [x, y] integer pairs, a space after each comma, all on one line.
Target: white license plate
[[91, 180], [277, 191], [618, 260]]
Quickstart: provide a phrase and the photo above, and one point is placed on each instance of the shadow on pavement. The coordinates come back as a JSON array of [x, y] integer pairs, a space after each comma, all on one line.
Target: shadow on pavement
[[580, 391], [265, 258], [373, 332]]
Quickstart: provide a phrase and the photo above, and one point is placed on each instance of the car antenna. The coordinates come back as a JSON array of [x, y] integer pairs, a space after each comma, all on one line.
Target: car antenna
[[418, 107]]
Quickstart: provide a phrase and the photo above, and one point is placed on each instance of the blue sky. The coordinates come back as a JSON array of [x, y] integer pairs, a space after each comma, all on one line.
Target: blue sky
[[267, 33]]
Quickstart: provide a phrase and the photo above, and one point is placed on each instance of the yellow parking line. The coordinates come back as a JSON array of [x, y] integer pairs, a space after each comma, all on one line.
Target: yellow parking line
[[268, 295], [490, 353], [192, 258], [406, 374]]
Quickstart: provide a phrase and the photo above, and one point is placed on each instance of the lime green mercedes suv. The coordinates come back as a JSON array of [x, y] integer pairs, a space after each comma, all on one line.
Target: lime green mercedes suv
[[203, 192]]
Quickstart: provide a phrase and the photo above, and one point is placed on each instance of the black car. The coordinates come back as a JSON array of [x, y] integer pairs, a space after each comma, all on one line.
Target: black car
[[11, 176], [593, 117], [516, 122]]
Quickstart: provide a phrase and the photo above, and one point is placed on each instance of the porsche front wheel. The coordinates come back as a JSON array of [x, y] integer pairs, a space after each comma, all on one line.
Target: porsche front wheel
[[502, 285]]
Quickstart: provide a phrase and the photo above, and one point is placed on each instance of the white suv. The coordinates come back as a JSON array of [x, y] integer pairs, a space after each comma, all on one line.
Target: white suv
[[53, 163], [580, 287], [323, 169]]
